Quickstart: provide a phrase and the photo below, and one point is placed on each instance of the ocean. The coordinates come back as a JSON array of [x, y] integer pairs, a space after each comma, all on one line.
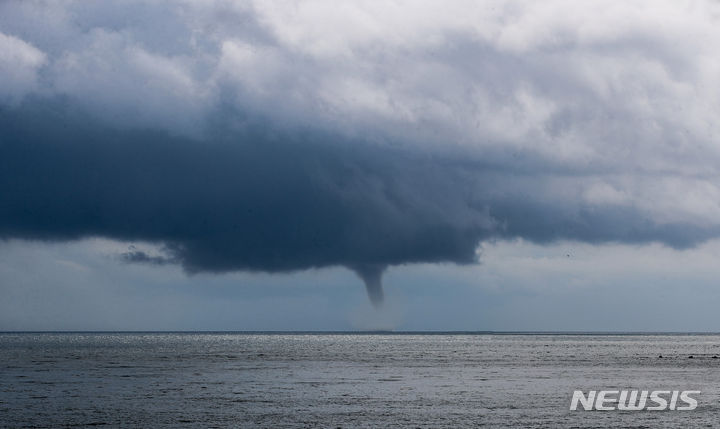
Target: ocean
[[347, 380]]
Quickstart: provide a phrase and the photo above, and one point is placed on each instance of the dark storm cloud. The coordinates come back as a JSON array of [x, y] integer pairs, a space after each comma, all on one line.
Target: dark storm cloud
[[247, 200], [276, 137], [261, 199]]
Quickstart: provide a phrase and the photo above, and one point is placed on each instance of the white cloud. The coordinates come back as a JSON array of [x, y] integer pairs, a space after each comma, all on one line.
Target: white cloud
[[19, 64], [603, 193]]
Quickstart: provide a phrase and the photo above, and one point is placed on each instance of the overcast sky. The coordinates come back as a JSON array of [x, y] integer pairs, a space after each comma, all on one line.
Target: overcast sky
[[236, 165]]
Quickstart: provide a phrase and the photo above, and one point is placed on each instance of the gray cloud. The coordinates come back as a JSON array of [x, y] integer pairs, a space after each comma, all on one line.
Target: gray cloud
[[249, 136], [135, 256]]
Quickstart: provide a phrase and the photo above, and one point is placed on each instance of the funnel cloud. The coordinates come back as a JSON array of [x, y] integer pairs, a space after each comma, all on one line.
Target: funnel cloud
[[371, 275]]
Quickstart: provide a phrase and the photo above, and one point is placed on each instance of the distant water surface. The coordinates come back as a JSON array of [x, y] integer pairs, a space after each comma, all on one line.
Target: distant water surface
[[345, 380]]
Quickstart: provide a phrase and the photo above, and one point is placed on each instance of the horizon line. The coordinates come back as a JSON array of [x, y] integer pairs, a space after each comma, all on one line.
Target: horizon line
[[363, 332]]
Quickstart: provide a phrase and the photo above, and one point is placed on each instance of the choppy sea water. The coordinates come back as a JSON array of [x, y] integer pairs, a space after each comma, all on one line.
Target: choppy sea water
[[346, 380]]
